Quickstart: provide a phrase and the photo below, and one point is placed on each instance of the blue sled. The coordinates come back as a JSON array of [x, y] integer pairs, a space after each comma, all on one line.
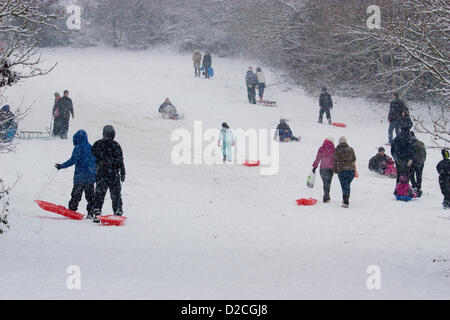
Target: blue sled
[[404, 198]]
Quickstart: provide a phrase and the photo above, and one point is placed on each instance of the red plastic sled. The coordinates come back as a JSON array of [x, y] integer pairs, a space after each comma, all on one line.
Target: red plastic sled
[[112, 220], [340, 125], [306, 202], [250, 163], [47, 206]]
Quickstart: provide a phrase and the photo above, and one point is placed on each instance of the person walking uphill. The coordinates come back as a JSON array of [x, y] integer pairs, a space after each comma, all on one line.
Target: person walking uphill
[[84, 177], [251, 80], [110, 171], [443, 169], [419, 158], [326, 104], [325, 157], [397, 111], [207, 63], [62, 111], [344, 166], [197, 60]]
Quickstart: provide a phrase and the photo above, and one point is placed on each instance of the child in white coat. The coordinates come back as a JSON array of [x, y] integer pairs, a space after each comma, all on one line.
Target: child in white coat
[[226, 141]]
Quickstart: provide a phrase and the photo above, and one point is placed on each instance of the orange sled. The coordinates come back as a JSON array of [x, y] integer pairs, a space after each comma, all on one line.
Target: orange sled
[[306, 202], [47, 206]]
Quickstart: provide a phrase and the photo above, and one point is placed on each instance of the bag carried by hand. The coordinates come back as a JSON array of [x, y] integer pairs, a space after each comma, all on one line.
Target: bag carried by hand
[[311, 180]]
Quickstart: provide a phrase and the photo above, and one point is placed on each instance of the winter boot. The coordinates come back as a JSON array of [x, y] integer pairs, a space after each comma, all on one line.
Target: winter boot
[[96, 213], [329, 122], [446, 204], [119, 213], [326, 198], [346, 202]]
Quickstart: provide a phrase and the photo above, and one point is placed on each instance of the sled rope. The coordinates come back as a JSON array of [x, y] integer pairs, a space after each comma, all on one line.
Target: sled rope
[[47, 184]]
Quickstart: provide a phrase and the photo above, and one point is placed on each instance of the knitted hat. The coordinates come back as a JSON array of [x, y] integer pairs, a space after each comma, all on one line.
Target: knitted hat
[[342, 140]]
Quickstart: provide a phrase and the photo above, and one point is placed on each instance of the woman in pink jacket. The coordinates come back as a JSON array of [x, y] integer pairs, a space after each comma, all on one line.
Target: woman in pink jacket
[[325, 157]]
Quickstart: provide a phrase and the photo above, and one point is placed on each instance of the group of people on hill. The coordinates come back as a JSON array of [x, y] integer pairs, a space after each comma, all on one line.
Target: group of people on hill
[[255, 80], [202, 64], [98, 167], [8, 124]]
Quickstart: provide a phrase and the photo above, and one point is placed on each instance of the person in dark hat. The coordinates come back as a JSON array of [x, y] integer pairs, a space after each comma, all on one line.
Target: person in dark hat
[[325, 104], [226, 142], [402, 149], [110, 171], [443, 168]]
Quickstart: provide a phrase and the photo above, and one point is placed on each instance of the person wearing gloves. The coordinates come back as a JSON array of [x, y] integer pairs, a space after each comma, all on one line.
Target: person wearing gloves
[[325, 157], [226, 141], [344, 166], [110, 171], [84, 177]]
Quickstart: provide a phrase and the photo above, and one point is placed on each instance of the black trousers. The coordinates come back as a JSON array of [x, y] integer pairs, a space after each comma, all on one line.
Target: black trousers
[[416, 177], [403, 170], [251, 92], [327, 176], [111, 182], [77, 193], [322, 111], [445, 189]]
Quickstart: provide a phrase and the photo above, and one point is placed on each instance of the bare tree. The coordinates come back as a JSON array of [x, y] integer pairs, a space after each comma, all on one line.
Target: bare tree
[[21, 30]]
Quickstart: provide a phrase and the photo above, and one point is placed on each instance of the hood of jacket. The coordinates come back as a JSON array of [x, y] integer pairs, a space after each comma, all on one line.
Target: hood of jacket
[[109, 132], [80, 138]]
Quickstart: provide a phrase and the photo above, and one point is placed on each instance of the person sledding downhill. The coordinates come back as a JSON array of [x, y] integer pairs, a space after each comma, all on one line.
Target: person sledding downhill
[[325, 104], [443, 168], [226, 142], [84, 177], [168, 110], [325, 157], [284, 132], [382, 164], [403, 190], [110, 172]]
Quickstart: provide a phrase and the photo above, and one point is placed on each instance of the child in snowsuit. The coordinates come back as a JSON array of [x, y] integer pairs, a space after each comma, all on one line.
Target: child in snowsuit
[[284, 132], [110, 171], [403, 190], [84, 177], [443, 169], [325, 157], [226, 141]]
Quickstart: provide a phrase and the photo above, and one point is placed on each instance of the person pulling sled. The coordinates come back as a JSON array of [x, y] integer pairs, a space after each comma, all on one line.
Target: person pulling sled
[[84, 177]]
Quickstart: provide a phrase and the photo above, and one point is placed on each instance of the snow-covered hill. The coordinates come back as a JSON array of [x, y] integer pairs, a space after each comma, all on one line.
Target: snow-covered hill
[[211, 231]]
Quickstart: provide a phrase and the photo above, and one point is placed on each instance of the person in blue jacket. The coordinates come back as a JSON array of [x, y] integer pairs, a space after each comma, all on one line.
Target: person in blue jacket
[[84, 177], [226, 142]]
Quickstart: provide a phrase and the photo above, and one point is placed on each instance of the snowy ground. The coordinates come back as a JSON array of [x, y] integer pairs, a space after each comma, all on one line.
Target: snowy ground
[[211, 231]]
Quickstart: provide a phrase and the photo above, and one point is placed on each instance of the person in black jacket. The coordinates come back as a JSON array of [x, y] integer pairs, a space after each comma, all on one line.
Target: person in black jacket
[[443, 169], [62, 111], [110, 171], [420, 155], [402, 150], [251, 80], [326, 104], [207, 62], [396, 116]]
